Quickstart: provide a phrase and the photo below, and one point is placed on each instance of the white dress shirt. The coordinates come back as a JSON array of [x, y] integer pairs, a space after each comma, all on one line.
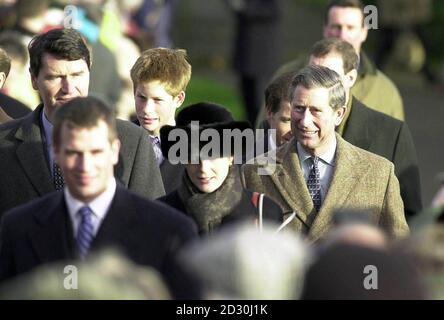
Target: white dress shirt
[[326, 166], [99, 207]]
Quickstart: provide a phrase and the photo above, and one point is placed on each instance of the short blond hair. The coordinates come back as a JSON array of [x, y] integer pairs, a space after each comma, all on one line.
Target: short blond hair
[[169, 66]]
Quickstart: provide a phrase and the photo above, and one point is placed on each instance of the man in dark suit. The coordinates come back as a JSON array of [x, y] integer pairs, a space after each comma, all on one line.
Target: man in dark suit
[[93, 211], [369, 129], [160, 77], [59, 67]]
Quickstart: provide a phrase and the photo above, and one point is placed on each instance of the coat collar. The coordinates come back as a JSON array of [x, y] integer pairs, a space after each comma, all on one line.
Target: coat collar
[[356, 130], [31, 152]]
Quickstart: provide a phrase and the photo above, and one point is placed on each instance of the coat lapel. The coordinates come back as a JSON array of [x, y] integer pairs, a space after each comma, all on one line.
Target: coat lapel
[[52, 238], [116, 227], [290, 182], [348, 170], [31, 153]]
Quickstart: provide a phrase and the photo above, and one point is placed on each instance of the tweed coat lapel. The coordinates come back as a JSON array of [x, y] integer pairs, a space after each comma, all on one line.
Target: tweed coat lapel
[[31, 153], [349, 169], [289, 180]]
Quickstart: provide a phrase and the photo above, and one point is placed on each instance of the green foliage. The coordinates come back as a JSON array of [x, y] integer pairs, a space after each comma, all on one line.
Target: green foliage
[[204, 88]]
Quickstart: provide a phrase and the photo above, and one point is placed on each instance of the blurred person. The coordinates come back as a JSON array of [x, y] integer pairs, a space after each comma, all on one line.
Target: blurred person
[[353, 272], [160, 77], [5, 65], [18, 90], [425, 247], [154, 19], [60, 69], [344, 19], [256, 48], [369, 129], [108, 275], [211, 191], [242, 263], [93, 211], [406, 17], [318, 171], [355, 227]]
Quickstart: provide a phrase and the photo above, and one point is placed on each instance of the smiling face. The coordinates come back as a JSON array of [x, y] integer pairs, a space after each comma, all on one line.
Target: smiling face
[[155, 107], [209, 174], [59, 81], [313, 121], [86, 157]]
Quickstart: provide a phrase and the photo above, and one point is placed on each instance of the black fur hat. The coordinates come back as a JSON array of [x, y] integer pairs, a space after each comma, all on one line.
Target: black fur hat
[[209, 116]]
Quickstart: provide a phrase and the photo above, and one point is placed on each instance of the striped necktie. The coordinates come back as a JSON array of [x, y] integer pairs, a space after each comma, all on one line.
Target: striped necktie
[[314, 183], [85, 232]]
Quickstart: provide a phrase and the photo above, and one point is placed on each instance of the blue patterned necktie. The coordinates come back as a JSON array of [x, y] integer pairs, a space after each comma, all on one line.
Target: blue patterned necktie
[[155, 141], [57, 177], [85, 232], [314, 183]]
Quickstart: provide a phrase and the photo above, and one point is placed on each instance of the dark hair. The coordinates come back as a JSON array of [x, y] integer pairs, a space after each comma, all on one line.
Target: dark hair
[[344, 4], [65, 44], [343, 48], [5, 62], [313, 77], [84, 112], [277, 91]]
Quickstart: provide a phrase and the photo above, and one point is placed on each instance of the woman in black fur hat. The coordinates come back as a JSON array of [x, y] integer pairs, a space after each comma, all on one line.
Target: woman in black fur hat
[[211, 191]]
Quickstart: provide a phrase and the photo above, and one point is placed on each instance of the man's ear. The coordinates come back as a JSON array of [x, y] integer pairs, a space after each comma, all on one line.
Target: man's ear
[[351, 77], [340, 113], [115, 146], [180, 98]]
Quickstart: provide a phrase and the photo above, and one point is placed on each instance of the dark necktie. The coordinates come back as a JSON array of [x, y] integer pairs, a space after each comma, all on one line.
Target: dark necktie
[[57, 177], [314, 183], [85, 232]]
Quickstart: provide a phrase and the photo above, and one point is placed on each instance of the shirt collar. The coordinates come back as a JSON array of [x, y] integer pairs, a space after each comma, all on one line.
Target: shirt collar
[[99, 205], [271, 142], [327, 157]]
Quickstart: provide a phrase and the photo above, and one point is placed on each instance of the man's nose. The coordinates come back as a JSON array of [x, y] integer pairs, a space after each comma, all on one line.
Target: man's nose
[[67, 85]]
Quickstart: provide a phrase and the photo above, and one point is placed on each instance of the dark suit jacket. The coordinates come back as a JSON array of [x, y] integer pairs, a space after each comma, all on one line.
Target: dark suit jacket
[[388, 137], [25, 173], [3, 116], [171, 175], [40, 232], [13, 108]]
